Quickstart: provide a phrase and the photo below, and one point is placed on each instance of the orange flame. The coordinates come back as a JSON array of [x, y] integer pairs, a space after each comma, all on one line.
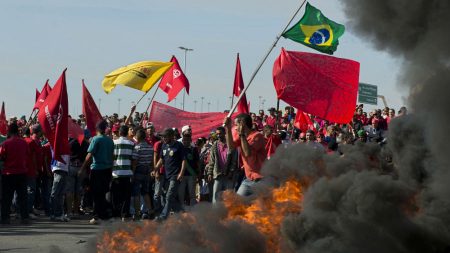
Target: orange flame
[[266, 213]]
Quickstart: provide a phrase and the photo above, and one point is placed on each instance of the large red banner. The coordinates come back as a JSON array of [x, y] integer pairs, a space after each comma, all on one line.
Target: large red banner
[[202, 124]]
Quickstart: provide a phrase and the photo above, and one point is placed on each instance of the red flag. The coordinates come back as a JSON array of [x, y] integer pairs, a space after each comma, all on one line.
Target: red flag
[[90, 110], [75, 131], [238, 87], [53, 116], [303, 122], [321, 85], [37, 96], [272, 144], [174, 80], [3, 122], [43, 95]]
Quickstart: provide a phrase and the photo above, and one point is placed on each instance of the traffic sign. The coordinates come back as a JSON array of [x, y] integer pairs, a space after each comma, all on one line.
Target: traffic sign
[[368, 93]]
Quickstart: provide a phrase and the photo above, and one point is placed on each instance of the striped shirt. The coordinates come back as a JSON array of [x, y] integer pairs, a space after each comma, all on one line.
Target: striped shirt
[[123, 154], [143, 154]]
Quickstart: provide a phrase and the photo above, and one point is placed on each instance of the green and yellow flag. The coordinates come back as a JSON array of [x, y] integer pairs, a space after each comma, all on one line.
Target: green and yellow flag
[[316, 31], [140, 76]]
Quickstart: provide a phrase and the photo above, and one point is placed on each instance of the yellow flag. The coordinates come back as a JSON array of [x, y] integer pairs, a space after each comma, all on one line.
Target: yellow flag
[[140, 76]]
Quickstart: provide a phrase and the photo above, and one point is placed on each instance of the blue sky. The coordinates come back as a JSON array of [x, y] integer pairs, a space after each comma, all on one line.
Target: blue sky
[[91, 38]]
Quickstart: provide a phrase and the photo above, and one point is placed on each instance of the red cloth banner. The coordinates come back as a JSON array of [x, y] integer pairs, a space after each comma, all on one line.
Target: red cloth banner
[[90, 110], [75, 131], [53, 117], [321, 85], [163, 116]]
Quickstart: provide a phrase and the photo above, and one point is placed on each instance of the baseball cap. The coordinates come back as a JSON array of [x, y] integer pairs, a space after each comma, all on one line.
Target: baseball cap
[[167, 131], [185, 128]]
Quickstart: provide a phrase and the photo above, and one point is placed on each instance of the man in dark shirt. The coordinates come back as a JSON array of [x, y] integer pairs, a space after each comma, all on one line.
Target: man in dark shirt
[[174, 161]]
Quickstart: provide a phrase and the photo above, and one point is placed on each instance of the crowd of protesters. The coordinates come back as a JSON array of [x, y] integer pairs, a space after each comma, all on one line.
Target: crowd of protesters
[[129, 171]]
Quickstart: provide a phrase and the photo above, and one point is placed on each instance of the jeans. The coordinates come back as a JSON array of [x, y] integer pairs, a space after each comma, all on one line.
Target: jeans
[[11, 183], [221, 183], [171, 201], [31, 193], [58, 191], [99, 181], [188, 181], [245, 189], [159, 195]]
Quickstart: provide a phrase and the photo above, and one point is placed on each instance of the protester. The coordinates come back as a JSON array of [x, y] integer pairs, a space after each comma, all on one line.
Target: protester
[[14, 152], [100, 160], [191, 174], [174, 161], [253, 152], [60, 172], [122, 174], [142, 166], [222, 165], [34, 164]]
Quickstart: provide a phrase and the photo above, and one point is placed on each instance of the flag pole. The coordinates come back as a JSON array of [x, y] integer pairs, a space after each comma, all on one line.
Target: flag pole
[[278, 115], [264, 59], [148, 107]]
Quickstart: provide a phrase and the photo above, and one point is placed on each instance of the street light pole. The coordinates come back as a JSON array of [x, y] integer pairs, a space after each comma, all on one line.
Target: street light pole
[[195, 105], [209, 103], [201, 107], [185, 67], [118, 111]]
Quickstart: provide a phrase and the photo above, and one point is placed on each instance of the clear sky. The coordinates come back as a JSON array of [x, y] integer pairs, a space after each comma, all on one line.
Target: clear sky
[[91, 38]]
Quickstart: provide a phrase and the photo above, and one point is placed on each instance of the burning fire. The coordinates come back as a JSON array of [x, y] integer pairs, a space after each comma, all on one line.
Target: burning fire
[[265, 213]]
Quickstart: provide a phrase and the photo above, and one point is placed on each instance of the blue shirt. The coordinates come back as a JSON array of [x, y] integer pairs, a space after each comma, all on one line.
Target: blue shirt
[[173, 156], [102, 150]]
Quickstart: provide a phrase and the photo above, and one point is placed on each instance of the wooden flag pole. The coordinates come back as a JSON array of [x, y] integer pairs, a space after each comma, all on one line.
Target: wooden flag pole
[[263, 60], [278, 115]]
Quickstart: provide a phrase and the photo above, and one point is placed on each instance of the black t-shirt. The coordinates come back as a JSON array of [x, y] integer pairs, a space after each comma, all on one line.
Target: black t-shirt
[[172, 155], [192, 157]]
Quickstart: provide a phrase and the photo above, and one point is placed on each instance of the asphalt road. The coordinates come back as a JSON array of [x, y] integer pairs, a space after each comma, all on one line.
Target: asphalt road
[[43, 235]]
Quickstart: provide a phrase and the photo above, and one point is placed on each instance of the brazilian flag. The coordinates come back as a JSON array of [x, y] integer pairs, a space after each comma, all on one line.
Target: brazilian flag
[[316, 31]]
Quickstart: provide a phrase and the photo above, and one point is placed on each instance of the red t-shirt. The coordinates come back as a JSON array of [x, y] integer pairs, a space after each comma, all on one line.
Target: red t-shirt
[[157, 149], [14, 152], [46, 158], [36, 152], [271, 121], [253, 163]]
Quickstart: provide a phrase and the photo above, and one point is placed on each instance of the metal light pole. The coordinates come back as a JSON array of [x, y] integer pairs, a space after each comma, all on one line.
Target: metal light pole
[[185, 68], [209, 103], [260, 97], [195, 105], [118, 111], [201, 107]]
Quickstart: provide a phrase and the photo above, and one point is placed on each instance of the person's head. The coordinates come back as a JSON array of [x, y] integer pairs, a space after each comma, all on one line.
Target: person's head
[[403, 111], [101, 127], [243, 119], [186, 130], [150, 129], [391, 113], [261, 113], [272, 111], [220, 133], [320, 137], [13, 129], [359, 111], [253, 116], [168, 135], [187, 140], [115, 129], [124, 130], [267, 130], [140, 135], [302, 137], [36, 130], [131, 131], [375, 122], [361, 134], [310, 136], [200, 142]]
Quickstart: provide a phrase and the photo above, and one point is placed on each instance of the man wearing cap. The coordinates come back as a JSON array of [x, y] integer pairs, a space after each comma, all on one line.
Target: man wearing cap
[[173, 158], [253, 151], [271, 120]]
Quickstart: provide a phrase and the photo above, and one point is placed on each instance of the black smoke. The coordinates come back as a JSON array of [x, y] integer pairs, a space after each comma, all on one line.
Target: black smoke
[[354, 204]]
